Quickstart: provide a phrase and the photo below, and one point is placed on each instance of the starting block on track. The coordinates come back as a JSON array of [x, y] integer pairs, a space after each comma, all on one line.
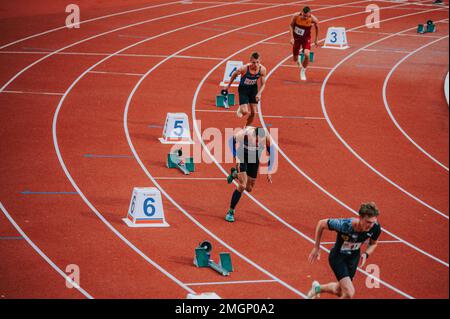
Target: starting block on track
[[203, 259], [225, 99], [311, 57], [174, 160], [426, 28]]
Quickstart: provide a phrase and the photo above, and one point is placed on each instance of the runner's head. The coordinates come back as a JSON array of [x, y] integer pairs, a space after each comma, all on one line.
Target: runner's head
[[368, 213], [306, 12], [254, 59]]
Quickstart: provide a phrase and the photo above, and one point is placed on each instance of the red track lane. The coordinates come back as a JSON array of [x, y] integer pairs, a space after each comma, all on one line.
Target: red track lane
[[429, 106], [138, 264], [389, 151], [282, 195], [265, 244], [108, 182], [346, 169], [19, 269], [61, 225], [91, 122]]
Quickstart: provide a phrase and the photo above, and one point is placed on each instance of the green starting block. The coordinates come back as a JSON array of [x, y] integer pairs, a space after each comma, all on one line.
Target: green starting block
[[203, 259], [174, 160], [225, 100], [311, 56], [426, 28]]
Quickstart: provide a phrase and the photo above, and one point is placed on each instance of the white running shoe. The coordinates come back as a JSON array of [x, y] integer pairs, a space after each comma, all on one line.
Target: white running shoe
[[303, 74], [315, 290]]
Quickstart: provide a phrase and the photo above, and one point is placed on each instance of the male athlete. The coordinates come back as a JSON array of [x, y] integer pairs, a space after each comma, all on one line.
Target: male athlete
[[345, 254], [249, 96], [248, 145], [300, 27]]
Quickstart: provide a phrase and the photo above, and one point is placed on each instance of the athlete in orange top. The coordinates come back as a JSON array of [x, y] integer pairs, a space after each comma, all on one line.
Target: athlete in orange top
[[300, 26]]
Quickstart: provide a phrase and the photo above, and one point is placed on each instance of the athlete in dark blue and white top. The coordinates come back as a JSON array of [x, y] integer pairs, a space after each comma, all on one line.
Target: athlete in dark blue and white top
[[345, 255], [249, 95]]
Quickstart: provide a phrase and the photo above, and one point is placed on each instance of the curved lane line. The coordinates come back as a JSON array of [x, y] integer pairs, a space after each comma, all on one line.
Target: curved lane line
[[386, 104], [41, 253], [344, 142]]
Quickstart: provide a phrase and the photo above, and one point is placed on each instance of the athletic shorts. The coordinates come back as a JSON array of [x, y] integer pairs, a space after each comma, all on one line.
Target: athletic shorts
[[343, 265], [247, 94], [250, 168], [304, 43]]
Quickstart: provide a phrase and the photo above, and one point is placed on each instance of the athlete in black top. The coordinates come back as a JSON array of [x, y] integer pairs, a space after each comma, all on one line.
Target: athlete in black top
[[248, 146], [345, 255], [249, 96]]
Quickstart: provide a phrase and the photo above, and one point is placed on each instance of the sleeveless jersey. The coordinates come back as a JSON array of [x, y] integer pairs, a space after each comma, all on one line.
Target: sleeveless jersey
[[302, 28], [250, 79]]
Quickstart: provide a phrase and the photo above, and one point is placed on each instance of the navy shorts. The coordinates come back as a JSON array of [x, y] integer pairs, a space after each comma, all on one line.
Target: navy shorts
[[343, 265], [247, 94]]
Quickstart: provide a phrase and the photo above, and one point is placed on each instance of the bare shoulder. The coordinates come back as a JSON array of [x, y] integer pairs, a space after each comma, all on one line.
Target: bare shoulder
[[263, 70], [314, 18]]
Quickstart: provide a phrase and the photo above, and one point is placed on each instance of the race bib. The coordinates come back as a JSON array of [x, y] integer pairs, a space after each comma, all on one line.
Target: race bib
[[349, 246], [299, 31]]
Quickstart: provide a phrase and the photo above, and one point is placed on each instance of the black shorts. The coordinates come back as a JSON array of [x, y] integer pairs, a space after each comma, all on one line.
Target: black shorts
[[247, 94], [250, 168], [343, 265]]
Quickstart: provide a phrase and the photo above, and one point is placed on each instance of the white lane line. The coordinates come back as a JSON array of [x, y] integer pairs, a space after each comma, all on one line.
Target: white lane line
[[386, 50], [91, 206], [38, 93], [89, 20], [268, 116], [344, 142], [198, 135], [240, 282], [42, 254], [116, 73], [117, 55], [326, 191], [388, 109], [192, 178], [378, 242], [181, 209], [109, 32], [401, 35], [309, 67]]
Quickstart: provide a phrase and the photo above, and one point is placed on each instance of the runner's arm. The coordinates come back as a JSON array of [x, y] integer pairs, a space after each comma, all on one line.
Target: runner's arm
[[234, 76], [316, 28]]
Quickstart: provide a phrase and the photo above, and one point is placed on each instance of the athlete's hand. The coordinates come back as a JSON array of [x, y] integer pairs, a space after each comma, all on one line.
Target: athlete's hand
[[292, 41], [316, 44], [314, 255], [269, 178], [258, 97], [362, 260]]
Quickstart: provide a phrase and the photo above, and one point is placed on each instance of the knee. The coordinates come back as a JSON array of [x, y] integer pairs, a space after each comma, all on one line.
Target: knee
[[249, 188], [240, 188], [348, 293], [295, 58]]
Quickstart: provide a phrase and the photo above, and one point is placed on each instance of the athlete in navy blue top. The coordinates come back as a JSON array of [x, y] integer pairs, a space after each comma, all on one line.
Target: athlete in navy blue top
[[345, 255], [249, 95]]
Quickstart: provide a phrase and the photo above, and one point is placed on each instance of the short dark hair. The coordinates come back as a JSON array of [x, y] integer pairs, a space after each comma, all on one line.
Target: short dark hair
[[368, 209], [255, 55], [306, 9]]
